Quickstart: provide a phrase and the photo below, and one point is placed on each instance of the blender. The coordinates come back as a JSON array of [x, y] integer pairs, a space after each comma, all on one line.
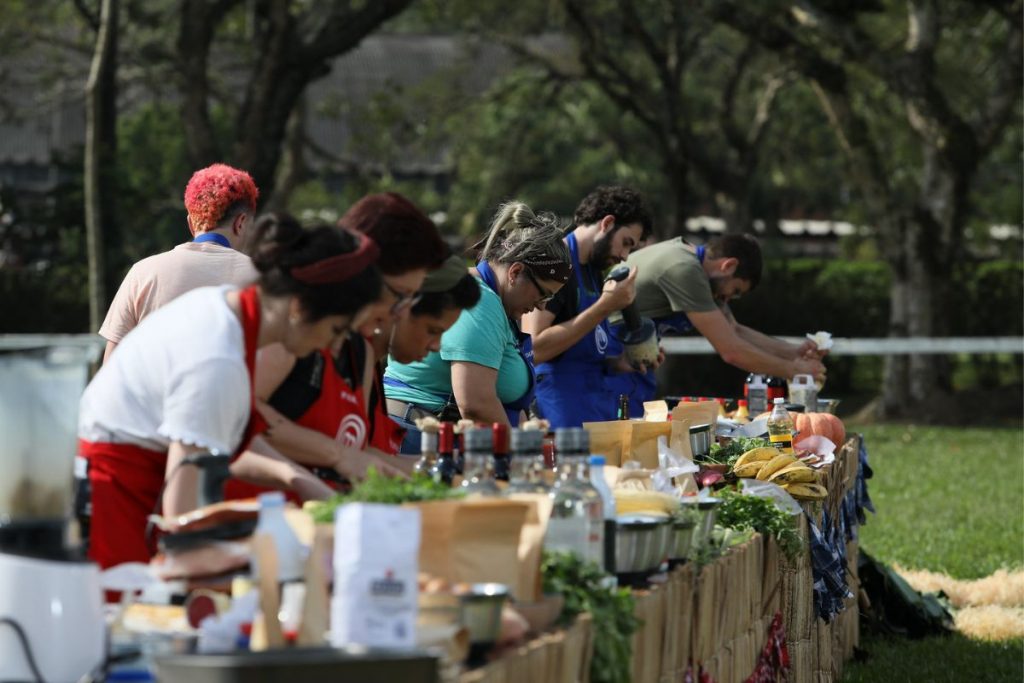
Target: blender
[[51, 605]]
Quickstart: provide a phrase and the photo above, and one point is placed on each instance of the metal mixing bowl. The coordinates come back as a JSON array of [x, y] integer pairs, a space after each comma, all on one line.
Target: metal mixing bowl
[[641, 543]]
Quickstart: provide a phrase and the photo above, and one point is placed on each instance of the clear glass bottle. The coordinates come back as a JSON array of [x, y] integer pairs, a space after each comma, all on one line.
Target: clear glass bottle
[[477, 444], [444, 469], [427, 463], [622, 407], [525, 446], [780, 427], [577, 516], [500, 434]]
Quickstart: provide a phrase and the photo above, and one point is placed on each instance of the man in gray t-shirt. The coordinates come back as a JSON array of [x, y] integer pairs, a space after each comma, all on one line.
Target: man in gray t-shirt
[[686, 288]]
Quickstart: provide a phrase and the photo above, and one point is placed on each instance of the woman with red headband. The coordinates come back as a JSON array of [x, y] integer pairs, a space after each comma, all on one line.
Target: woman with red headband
[[181, 382], [326, 410]]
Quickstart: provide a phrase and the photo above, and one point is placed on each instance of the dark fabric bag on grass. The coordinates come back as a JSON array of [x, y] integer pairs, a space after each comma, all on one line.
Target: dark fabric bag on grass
[[896, 608]]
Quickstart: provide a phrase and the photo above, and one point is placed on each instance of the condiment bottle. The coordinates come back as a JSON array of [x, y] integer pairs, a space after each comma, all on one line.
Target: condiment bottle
[[780, 427], [444, 469], [478, 449]]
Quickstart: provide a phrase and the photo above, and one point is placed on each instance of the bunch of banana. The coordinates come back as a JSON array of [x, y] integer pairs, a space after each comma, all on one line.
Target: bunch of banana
[[767, 464], [750, 463], [806, 491]]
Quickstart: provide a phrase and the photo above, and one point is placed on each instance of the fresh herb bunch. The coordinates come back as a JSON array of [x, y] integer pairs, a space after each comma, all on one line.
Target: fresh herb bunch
[[585, 588], [730, 453], [377, 488], [739, 511]]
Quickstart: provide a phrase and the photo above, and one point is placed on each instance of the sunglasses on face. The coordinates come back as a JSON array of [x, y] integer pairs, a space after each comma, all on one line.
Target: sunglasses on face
[[545, 296], [403, 301]]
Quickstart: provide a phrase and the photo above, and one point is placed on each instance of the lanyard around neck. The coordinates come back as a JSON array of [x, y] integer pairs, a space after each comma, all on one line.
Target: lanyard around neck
[[215, 237]]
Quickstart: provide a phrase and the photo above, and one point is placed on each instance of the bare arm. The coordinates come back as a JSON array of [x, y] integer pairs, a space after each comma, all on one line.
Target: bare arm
[[736, 350], [181, 488], [476, 392], [302, 444], [551, 340], [108, 350], [261, 464]]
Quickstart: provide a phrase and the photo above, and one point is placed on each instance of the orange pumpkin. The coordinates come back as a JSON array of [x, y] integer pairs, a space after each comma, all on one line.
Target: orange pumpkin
[[823, 424]]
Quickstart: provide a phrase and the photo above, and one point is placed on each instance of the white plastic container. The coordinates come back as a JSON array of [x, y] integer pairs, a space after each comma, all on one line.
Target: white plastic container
[[291, 554], [757, 395], [803, 391]]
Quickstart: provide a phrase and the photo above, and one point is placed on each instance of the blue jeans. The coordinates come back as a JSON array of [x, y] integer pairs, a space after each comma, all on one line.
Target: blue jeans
[[411, 443]]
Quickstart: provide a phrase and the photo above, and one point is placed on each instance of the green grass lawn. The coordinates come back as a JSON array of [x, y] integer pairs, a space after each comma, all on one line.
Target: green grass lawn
[[949, 500]]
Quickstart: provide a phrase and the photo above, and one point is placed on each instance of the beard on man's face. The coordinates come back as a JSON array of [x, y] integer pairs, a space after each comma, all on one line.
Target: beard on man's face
[[601, 257]]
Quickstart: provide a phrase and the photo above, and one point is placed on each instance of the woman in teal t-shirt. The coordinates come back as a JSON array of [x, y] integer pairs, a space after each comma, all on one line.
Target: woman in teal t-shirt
[[484, 367]]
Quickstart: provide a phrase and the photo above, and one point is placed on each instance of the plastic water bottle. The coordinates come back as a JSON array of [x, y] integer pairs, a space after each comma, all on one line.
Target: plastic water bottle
[[780, 427], [597, 463], [291, 554]]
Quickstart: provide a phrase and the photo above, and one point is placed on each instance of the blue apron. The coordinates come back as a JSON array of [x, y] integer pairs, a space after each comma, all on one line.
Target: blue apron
[[572, 388], [524, 345], [642, 387]]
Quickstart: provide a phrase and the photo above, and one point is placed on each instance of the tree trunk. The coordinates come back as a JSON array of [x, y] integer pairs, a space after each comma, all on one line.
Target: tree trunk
[[100, 135], [920, 384]]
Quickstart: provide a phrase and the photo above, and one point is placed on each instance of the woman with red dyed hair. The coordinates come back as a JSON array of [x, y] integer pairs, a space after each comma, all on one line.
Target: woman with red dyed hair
[[327, 410]]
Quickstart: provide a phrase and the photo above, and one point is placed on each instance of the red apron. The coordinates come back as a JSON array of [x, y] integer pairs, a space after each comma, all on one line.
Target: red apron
[[385, 434], [126, 481], [339, 411]]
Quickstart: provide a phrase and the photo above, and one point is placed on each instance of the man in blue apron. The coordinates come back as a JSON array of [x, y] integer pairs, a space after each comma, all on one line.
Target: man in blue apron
[[574, 351], [685, 288]]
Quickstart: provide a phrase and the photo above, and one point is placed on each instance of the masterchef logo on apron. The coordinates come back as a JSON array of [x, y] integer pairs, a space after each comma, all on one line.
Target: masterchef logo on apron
[[601, 339], [352, 431]]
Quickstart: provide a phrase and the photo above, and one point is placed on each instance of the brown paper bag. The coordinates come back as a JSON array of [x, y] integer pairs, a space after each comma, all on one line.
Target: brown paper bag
[[610, 439], [679, 437], [644, 442], [531, 544], [472, 541], [703, 413], [655, 411]]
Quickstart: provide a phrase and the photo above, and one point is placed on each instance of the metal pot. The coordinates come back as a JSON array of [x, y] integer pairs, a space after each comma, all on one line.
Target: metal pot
[[641, 543], [682, 537], [700, 440], [480, 611]]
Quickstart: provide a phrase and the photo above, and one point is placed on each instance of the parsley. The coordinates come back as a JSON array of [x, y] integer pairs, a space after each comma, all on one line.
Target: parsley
[[739, 511], [377, 488], [586, 589]]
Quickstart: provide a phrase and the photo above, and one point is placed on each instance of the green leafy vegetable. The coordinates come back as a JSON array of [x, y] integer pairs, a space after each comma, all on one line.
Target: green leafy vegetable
[[586, 589], [739, 511], [377, 488], [729, 453]]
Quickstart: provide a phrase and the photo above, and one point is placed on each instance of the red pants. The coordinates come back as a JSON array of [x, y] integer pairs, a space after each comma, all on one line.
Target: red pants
[[125, 482]]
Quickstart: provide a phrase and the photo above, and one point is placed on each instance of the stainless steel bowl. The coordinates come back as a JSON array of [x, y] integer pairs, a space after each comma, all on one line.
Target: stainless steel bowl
[[700, 440], [480, 611], [682, 537], [641, 543]]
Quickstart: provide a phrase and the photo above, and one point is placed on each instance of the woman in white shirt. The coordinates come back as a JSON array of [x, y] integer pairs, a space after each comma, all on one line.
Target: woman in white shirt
[[181, 382]]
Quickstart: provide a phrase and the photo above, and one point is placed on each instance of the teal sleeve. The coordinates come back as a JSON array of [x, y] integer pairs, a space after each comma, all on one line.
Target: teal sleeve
[[480, 334]]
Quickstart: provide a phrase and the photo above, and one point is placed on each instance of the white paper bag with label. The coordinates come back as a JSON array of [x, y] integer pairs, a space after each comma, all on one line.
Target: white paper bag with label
[[376, 549]]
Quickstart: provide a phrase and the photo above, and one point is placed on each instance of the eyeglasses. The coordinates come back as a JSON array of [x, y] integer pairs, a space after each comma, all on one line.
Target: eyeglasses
[[545, 296], [403, 301]]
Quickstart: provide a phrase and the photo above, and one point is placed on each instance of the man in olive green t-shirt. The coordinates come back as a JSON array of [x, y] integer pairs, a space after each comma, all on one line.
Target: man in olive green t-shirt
[[683, 288]]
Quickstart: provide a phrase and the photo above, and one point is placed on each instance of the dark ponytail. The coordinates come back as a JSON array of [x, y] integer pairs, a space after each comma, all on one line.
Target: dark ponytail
[[279, 243]]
